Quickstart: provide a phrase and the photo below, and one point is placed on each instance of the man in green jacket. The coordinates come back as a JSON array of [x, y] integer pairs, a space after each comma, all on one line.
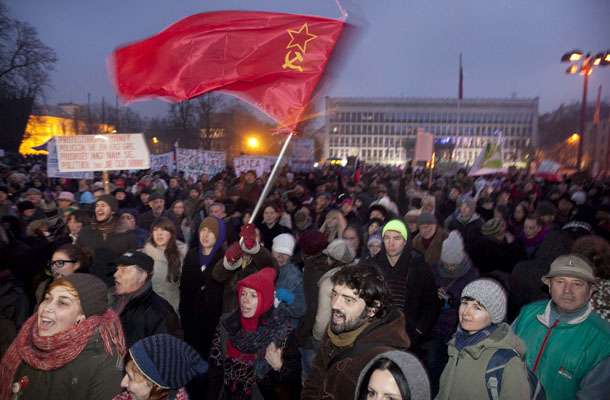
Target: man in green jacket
[[567, 344]]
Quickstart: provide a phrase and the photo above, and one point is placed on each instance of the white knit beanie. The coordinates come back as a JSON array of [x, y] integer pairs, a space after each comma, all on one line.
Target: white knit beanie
[[452, 252], [491, 295], [284, 244]]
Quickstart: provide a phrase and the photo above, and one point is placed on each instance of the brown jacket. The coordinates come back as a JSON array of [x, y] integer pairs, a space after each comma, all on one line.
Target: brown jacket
[[433, 253], [340, 380]]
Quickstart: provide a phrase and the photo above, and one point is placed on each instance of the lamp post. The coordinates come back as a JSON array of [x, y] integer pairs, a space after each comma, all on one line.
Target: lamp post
[[585, 69]]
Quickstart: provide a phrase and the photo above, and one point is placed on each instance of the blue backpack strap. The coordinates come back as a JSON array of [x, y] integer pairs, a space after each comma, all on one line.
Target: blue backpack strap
[[495, 367]]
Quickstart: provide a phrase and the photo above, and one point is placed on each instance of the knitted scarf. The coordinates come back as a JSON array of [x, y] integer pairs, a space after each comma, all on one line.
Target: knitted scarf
[[203, 259], [463, 338], [536, 240], [346, 338], [108, 225], [48, 353], [274, 329]]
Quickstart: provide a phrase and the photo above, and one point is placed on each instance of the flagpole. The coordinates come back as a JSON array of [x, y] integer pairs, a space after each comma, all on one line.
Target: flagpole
[[267, 187]]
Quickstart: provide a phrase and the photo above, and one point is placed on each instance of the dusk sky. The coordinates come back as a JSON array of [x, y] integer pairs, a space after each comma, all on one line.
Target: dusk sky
[[407, 48]]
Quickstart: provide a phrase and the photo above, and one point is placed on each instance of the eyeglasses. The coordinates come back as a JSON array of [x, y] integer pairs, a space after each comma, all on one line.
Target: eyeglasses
[[126, 217], [58, 263]]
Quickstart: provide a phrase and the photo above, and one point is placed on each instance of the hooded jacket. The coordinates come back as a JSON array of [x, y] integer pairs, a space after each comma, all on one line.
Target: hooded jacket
[[464, 374], [412, 369], [340, 379]]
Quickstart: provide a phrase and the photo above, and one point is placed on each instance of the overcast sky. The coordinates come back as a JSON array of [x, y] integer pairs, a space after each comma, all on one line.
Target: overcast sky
[[407, 48]]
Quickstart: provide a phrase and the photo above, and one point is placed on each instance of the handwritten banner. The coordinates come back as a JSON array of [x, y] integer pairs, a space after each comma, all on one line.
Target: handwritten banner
[[196, 162], [102, 152], [246, 163], [302, 155], [157, 161], [548, 166], [53, 166]]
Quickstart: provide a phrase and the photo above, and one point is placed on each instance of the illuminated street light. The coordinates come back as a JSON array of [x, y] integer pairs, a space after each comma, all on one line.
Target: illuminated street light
[[155, 140], [573, 138], [253, 143], [585, 70]]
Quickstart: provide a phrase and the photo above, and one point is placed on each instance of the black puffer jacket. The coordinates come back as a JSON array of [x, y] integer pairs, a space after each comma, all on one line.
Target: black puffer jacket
[[144, 313]]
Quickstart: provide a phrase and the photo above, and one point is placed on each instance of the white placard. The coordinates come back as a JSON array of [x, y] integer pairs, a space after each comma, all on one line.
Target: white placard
[[53, 169], [246, 163], [548, 166], [102, 152], [196, 162], [302, 155], [157, 161]]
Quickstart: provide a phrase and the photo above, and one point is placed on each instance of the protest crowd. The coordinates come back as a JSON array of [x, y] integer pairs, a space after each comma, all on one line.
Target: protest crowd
[[396, 284]]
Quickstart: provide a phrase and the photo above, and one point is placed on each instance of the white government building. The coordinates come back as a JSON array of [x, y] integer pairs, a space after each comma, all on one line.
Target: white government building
[[383, 130]]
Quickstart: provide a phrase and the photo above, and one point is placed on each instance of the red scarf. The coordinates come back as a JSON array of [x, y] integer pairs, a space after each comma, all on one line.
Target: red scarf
[[49, 353]]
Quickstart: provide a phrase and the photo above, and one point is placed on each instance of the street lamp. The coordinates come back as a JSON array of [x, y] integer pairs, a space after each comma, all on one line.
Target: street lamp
[[253, 143], [585, 69]]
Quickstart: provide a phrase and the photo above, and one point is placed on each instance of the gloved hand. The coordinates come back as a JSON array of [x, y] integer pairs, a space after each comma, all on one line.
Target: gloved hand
[[284, 295], [248, 233], [233, 253]]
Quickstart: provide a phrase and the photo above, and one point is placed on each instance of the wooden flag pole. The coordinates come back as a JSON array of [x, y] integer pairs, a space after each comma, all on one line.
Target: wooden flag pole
[[274, 171]]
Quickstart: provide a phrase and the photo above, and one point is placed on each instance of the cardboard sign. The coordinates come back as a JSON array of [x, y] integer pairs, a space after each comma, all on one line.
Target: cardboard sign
[[302, 155], [245, 163], [424, 146], [102, 152], [196, 162], [159, 160], [53, 166]]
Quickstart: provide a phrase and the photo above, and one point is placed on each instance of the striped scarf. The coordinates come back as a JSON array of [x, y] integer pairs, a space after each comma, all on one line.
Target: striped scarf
[[48, 353], [463, 339]]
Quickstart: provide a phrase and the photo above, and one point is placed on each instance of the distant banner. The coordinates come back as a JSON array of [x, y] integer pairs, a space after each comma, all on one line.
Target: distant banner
[[246, 163], [548, 166], [157, 161], [196, 162], [102, 152], [302, 155], [424, 146], [53, 166]]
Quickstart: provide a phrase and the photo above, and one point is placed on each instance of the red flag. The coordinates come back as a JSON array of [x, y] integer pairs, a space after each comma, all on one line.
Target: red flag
[[272, 61]]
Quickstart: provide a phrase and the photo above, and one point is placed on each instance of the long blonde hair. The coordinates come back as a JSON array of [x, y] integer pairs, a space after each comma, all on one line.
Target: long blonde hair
[[336, 232]]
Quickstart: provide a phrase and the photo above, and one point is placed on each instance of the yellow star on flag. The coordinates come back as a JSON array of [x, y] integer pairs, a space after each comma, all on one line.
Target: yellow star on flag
[[299, 38]]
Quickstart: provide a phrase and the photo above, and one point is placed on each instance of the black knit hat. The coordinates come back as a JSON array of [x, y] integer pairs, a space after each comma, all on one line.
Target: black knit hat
[[167, 361], [92, 292], [111, 201]]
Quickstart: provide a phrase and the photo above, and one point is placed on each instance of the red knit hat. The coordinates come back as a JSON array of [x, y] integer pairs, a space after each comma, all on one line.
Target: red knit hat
[[312, 242], [264, 283]]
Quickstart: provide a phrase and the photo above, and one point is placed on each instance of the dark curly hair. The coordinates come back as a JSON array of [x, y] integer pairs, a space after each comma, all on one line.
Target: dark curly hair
[[369, 283]]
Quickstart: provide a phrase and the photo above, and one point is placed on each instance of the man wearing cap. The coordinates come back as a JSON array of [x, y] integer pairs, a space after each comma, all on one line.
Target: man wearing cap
[[156, 202], [142, 311], [567, 344], [467, 221], [429, 240], [410, 281]]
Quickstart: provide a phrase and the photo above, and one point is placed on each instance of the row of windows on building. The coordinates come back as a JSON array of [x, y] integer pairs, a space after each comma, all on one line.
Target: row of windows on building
[[436, 129], [395, 157], [466, 142], [438, 117]]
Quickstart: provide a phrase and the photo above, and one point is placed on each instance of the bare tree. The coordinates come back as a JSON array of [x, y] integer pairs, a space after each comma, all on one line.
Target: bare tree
[[25, 62], [208, 105]]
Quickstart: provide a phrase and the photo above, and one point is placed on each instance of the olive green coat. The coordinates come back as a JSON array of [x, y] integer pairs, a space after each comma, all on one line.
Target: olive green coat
[[464, 374], [92, 375]]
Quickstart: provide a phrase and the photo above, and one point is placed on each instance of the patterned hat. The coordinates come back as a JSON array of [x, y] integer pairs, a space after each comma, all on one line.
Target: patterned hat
[[167, 361], [491, 295], [492, 227]]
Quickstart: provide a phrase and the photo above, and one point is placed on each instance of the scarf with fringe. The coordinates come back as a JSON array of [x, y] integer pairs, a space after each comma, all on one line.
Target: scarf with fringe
[[48, 353]]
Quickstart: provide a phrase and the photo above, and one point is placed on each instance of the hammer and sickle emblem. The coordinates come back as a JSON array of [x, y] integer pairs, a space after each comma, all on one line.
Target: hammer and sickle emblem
[[289, 62]]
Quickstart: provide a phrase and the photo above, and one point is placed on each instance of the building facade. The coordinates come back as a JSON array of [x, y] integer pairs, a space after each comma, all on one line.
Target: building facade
[[383, 130]]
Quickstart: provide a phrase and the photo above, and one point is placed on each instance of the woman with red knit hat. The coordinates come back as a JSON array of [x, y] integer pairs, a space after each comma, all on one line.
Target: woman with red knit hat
[[255, 348]]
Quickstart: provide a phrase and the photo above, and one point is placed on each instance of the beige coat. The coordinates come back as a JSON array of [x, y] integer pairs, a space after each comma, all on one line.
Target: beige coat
[[433, 253], [170, 291]]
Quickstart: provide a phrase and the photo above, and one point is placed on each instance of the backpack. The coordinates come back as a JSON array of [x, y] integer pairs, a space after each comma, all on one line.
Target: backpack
[[493, 375]]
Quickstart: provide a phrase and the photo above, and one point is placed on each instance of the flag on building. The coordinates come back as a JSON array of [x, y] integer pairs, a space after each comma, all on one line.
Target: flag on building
[[270, 60], [489, 160]]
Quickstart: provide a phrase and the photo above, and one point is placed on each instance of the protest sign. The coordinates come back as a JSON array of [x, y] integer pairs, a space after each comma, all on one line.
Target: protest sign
[[245, 163], [102, 152], [548, 166], [196, 162], [159, 160], [302, 155], [53, 169], [424, 146]]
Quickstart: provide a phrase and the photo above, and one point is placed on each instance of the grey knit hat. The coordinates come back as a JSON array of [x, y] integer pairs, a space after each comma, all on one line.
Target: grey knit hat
[[492, 227], [340, 250], [426, 218], [452, 252], [491, 295], [412, 369]]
